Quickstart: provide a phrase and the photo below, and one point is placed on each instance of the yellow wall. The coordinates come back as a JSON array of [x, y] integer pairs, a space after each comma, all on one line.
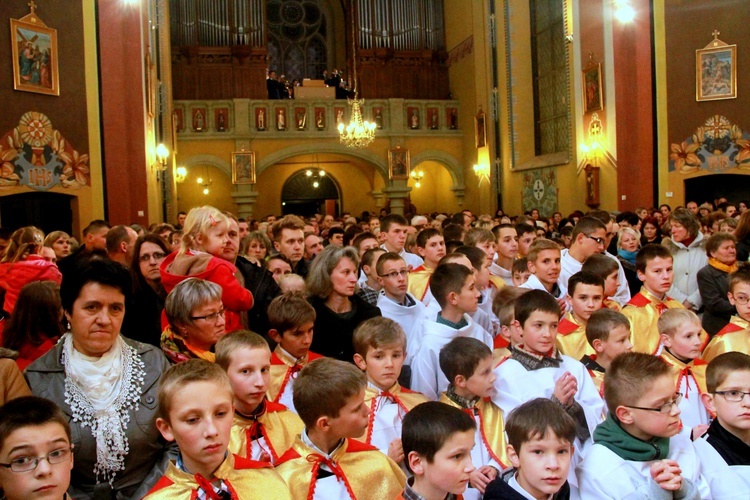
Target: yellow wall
[[434, 194], [190, 193]]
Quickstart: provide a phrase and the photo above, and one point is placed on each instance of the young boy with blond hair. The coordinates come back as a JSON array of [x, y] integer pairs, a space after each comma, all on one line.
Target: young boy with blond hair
[[735, 336], [291, 318], [608, 270], [431, 247], [262, 429], [437, 441], [325, 461], [32, 429], [544, 265], [585, 295], [608, 334], [725, 448], [540, 448], [380, 349], [680, 331], [467, 363], [638, 451], [654, 265], [536, 369], [202, 426]]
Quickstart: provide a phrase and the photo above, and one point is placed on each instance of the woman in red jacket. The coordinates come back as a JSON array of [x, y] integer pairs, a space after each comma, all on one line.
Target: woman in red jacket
[[203, 240]]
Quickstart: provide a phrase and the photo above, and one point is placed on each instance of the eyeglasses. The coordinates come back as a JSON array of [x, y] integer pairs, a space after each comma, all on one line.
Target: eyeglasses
[[156, 256], [25, 464], [211, 318], [395, 274], [600, 241], [741, 299], [733, 396], [665, 408]]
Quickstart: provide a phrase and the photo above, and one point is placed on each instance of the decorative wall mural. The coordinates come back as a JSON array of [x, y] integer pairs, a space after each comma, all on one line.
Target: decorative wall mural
[[36, 155], [716, 146], [540, 190]]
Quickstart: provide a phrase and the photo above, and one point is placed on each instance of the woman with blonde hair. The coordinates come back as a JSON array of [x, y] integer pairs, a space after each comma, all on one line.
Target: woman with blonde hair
[[205, 234], [59, 242]]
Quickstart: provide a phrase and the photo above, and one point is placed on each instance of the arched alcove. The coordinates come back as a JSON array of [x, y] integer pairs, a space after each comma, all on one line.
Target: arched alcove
[[434, 191], [213, 176], [310, 191], [709, 187]]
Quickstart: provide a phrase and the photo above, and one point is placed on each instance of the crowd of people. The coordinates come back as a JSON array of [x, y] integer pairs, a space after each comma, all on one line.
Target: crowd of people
[[279, 87], [379, 357]]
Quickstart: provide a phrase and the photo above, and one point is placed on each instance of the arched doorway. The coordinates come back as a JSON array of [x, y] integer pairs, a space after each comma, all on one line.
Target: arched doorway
[[733, 187], [310, 191], [47, 211]]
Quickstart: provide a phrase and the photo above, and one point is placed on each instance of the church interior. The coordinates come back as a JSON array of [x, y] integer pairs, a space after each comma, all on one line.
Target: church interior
[[134, 110]]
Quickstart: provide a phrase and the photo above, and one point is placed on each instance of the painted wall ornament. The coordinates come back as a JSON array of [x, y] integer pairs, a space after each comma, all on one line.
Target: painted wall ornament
[[716, 146], [36, 155]]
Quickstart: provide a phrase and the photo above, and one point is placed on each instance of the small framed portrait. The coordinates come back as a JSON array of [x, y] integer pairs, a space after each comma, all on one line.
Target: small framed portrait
[[320, 118], [339, 114], [221, 119], [179, 119], [243, 167], [433, 118], [260, 119], [199, 119], [34, 48], [480, 129], [412, 117], [300, 118], [592, 185], [592, 88], [398, 163], [280, 119], [716, 72], [451, 118], [377, 116]]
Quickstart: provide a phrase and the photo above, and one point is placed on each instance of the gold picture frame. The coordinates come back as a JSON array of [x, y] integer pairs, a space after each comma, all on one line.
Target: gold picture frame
[[35, 56], [243, 167], [716, 71], [398, 163], [591, 79], [480, 129]]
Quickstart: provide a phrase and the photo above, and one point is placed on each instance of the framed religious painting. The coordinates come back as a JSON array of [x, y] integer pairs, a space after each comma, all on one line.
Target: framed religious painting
[[592, 185], [221, 119], [320, 118], [592, 88], [243, 167], [260, 119], [433, 118], [199, 119], [300, 118], [480, 129], [451, 118], [412, 117], [398, 163], [179, 119], [716, 71], [35, 57]]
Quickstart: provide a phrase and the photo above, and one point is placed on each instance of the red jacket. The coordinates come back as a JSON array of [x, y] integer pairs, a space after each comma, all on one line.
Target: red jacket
[[236, 298], [15, 275]]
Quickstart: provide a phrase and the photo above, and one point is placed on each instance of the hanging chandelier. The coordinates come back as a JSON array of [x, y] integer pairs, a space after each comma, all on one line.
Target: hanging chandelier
[[359, 133]]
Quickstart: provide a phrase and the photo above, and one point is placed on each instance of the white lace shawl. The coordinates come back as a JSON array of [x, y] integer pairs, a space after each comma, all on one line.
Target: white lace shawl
[[100, 392]]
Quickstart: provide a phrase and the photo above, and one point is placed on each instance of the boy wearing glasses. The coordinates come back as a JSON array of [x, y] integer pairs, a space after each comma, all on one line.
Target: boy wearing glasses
[[35, 451], [394, 301], [736, 335], [724, 449], [638, 450], [589, 237]]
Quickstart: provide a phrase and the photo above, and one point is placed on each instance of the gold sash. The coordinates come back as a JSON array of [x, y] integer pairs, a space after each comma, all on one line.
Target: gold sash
[[493, 428], [404, 398], [277, 424], [419, 281], [571, 338], [733, 337]]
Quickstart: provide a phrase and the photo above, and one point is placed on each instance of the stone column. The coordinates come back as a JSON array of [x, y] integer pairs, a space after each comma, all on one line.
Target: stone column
[[398, 192], [244, 197]]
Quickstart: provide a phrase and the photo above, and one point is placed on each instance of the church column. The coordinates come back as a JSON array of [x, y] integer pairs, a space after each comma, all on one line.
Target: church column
[[398, 193], [245, 197]]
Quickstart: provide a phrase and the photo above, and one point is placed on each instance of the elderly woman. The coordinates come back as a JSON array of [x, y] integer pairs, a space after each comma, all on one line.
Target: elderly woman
[[59, 242], [713, 281], [143, 320], [107, 385], [331, 284], [687, 248], [628, 243], [196, 320], [255, 247]]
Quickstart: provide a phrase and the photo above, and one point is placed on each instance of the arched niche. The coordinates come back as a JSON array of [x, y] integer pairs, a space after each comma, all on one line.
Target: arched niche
[[217, 178], [307, 192]]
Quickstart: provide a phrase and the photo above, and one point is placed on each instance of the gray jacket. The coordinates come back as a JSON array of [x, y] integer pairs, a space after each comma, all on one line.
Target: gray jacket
[[148, 454]]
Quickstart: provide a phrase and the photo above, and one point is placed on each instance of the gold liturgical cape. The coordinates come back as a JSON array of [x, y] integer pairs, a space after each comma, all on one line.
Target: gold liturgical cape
[[283, 369], [695, 369], [733, 337], [245, 479], [405, 399], [493, 427], [276, 423], [571, 338], [643, 311], [364, 470], [419, 281]]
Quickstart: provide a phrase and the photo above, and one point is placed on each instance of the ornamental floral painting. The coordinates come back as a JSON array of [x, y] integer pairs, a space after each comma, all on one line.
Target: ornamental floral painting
[[36, 155], [716, 146], [540, 190]]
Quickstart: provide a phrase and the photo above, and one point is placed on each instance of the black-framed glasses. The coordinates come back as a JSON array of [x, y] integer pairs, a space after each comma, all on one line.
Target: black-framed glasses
[[600, 241], [733, 396], [156, 256], [211, 318], [395, 274], [665, 408], [25, 464]]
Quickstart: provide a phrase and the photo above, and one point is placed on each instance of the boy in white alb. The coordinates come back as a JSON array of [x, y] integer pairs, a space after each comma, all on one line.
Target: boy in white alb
[[393, 229], [544, 265], [481, 266], [725, 448], [536, 369], [453, 286], [506, 251], [394, 301], [380, 348], [638, 451]]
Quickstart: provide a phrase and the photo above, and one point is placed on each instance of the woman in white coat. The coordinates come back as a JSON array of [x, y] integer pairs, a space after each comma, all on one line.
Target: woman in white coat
[[687, 246]]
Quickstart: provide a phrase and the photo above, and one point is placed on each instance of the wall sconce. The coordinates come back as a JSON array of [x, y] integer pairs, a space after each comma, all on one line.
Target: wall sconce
[[591, 152], [483, 172], [180, 174], [417, 175], [624, 12], [162, 153]]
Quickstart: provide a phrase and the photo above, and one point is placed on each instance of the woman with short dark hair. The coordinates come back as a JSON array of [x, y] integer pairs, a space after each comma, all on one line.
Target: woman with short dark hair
[[713, 281]]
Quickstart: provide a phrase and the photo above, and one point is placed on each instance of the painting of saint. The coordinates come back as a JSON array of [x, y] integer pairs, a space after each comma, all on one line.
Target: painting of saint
[[34, 56]]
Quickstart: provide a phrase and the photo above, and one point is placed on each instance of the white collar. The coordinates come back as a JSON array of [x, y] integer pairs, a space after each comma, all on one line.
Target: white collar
[[306, 439], [513, 483]]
